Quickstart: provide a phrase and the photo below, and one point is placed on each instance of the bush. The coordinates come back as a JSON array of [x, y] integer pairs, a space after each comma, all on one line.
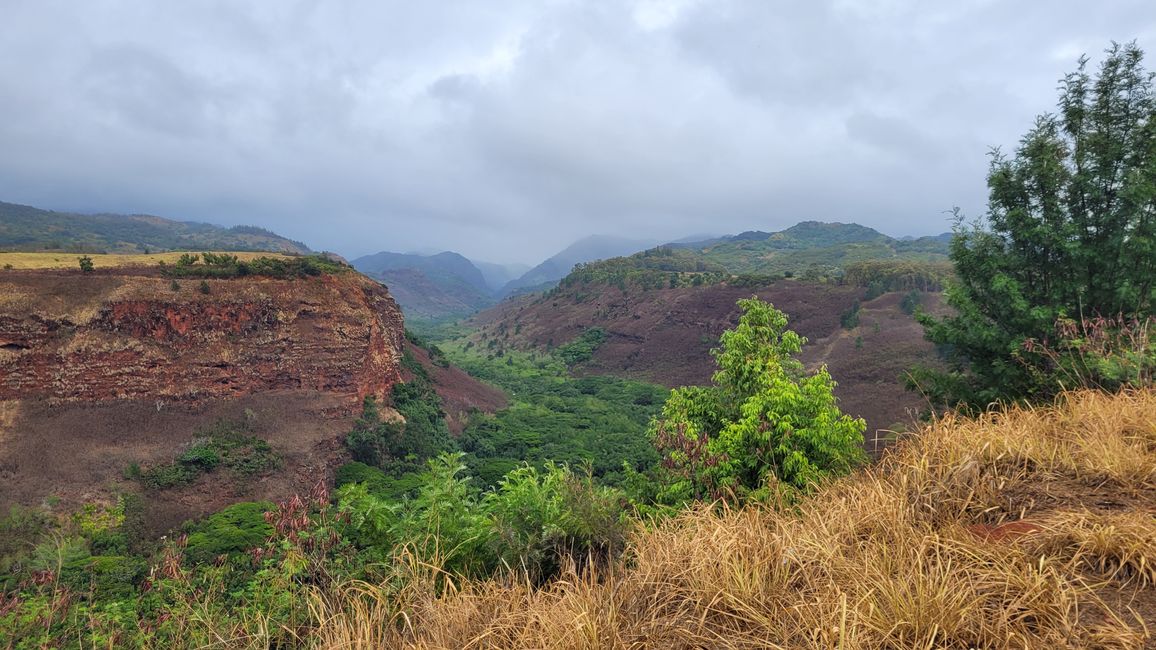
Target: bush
[[163, 477], [232, 531], [582, 348], [223, 266], [201, 457], [224, 444], [107, 577], [763, 421], [850, 318], [911, 302], [86, 265]]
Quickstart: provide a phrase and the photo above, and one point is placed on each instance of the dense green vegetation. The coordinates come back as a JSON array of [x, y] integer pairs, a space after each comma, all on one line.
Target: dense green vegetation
[[582, 348], [828, 252], [655, 268], [401, 447], [764, 422], [814, 250], [898, 275], [24, 228], [599, 422], [224, 265], [1061, 279]]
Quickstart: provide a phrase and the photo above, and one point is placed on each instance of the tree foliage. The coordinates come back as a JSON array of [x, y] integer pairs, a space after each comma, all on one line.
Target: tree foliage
[[1070, 234], [763, 420]]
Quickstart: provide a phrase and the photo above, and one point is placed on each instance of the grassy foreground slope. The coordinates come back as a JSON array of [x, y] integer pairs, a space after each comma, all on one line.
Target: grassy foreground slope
[[1028, 528]]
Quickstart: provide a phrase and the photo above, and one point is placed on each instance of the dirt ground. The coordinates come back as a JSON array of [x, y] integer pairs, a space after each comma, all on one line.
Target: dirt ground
[[70, 453]]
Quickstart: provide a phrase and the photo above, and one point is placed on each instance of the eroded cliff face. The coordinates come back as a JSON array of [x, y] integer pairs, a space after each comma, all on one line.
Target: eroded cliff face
[[71, 337]]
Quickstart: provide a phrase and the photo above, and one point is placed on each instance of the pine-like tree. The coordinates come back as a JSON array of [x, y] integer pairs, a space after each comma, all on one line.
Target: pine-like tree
[[1070, 236]]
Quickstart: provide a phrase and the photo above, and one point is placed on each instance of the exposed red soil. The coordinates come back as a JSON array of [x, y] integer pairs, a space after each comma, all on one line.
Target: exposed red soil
[[104, 370], [75, 452], [665, 336], [461, 394], [71, 337]]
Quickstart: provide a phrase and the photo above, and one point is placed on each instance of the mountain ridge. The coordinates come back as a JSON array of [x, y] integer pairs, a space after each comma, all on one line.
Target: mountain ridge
[[28, 228]]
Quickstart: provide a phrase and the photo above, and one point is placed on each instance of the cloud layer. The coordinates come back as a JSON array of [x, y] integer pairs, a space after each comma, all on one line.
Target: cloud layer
[[507, 130]]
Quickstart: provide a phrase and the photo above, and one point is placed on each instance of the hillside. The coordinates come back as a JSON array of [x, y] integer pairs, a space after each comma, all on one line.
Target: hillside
[[129, 366], [664, 335], [25, 228], [812, 247], [429, 286], [499, 275], [556, 267], [1023, 529]]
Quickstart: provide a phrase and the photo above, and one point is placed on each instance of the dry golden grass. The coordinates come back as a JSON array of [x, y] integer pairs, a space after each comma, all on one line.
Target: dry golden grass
[[50, 260], [887, 558]]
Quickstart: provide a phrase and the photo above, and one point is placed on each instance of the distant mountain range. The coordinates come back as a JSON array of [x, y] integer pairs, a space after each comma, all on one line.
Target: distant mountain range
[[596, 247], [447, 284], [25, 228], [430, 286]]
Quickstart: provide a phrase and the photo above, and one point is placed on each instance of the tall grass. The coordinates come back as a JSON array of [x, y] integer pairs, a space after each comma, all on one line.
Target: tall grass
[[887, 558]]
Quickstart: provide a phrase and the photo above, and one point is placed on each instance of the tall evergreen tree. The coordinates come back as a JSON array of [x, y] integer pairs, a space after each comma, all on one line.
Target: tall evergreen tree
[[1070, 236]]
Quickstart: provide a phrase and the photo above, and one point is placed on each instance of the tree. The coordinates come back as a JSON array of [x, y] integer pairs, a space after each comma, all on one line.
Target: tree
[[86, 265], [763, 420], [1070, 236]]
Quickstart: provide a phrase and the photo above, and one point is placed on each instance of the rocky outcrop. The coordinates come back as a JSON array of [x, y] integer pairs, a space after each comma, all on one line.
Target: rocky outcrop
[[71, 337]]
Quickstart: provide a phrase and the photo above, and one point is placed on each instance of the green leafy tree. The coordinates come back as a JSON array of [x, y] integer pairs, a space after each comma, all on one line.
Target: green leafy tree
[[764, 420], [86, 265], [1070, 234]]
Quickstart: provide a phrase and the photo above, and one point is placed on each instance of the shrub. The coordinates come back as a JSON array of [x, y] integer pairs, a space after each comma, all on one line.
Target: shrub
[[86, 265], [850, 318], [232, 531], [911, 302], [762, 421], [582, 348], [202, 457], [107, 577], [223, 444], [163, 477]]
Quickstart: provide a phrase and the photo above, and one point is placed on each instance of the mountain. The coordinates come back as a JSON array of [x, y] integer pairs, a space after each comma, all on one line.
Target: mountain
[[499, 275], [25, 228], [821, 249], [595, 247], [429, 286]]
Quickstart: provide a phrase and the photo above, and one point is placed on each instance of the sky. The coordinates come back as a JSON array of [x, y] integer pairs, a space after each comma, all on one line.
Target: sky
[[507, 130]]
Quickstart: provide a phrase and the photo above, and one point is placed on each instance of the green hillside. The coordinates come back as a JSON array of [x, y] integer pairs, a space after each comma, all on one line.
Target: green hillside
[[815, 248], [25, 228], [810, 250]]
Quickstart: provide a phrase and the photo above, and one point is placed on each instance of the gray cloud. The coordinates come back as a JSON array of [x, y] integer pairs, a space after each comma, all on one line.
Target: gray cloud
[[507, 131]]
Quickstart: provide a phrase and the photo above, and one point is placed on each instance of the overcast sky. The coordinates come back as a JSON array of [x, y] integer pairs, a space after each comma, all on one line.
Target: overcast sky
[[505, 130]]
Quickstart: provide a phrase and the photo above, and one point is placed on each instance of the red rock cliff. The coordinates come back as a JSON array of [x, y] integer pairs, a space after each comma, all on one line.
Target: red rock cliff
[[92, 338]]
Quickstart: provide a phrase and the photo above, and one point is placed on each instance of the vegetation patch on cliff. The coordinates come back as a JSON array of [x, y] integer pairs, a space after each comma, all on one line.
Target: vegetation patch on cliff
[[225, 445]]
